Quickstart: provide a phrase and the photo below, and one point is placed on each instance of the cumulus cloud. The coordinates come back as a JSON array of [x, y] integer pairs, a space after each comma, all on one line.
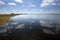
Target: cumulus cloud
[[32, 5], [46, 2], [20, 1], [53, 3], [11, 4], [49, 2], [1, 3]]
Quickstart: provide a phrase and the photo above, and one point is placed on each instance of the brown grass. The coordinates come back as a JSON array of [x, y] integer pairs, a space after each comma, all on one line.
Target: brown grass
[[5, 17]]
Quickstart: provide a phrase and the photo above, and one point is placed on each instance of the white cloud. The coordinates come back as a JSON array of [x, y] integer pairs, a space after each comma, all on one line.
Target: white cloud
[[32, 5], [11, 4], [20, 1], [58, 3], [53, 3], [1, 3], [46, 2]]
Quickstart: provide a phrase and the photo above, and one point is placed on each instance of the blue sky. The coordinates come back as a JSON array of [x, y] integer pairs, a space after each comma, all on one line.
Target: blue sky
[[29, 6]]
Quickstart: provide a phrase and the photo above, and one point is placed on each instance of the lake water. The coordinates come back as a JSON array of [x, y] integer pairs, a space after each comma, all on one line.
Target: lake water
[[28, 25], [50, 18]]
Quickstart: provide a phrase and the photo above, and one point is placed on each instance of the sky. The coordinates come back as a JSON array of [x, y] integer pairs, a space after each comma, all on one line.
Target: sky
[[29, 6]]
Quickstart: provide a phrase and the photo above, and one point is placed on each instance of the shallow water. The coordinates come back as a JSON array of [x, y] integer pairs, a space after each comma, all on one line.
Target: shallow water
[[49, 18], [28, 25]]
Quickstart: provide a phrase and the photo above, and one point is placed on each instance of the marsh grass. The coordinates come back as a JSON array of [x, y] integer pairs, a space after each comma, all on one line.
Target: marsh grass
[[5, 17]]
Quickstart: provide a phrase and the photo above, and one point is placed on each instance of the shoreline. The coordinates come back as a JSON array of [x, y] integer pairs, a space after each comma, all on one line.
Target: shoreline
[[5, 17]]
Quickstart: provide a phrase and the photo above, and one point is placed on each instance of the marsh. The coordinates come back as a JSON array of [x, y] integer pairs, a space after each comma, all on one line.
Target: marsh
[[31, 27]]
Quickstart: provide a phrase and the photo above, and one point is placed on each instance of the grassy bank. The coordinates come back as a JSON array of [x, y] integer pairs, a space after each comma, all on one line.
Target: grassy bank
[[5, 17]]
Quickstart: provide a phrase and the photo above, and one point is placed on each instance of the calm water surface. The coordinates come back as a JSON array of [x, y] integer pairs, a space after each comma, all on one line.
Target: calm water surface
[[31, 25]]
